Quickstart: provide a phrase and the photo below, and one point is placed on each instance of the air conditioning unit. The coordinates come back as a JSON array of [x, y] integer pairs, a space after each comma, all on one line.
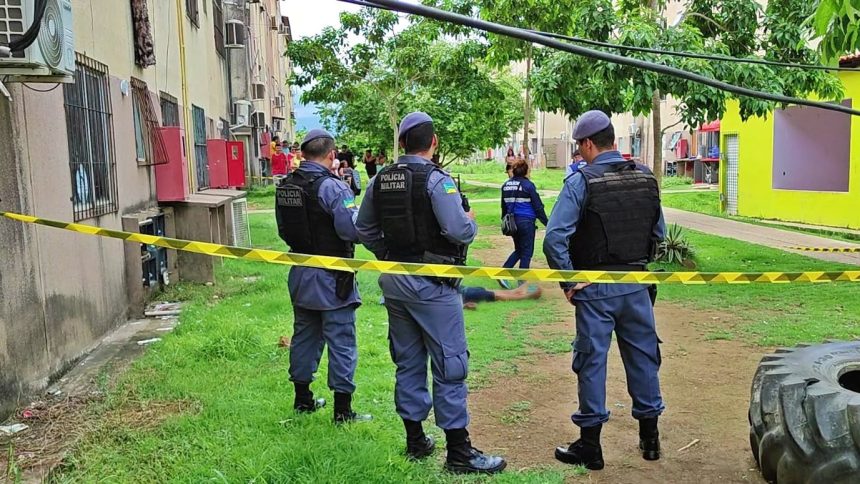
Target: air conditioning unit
[[241, 113], [275, 23], [278, 102], [241, 229], [258, 91], [259, 119], [234, 35], [52, 57]]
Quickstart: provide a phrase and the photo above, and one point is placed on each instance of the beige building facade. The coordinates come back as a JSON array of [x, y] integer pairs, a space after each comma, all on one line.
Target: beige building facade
[[85, 151]]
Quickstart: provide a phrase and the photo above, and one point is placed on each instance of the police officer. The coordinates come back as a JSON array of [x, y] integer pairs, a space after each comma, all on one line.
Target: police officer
[[413, 212], [608, 217], [316, 212]]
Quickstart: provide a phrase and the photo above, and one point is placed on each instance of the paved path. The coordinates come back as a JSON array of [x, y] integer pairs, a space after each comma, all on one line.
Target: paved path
[[838, 230], [756, 234]]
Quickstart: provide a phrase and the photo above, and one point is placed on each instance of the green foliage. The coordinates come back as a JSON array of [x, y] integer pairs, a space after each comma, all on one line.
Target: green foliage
[[365, 88], [675, 249], [837, 23], [575, 84]]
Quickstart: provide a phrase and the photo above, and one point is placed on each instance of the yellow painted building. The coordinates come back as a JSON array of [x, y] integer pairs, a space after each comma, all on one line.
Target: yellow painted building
[[798, 171]]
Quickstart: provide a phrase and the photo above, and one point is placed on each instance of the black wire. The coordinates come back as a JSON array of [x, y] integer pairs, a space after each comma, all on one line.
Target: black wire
[[32, 32], [42, 90], [433, 13], [694, 55]]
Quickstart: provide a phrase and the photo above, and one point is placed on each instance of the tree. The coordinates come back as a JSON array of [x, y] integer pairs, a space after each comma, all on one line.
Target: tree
[[837, 24], [727, 27], [365, 87]]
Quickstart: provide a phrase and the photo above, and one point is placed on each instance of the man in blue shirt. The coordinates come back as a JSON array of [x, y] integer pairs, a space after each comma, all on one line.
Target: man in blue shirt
[[413, 212], [577, 164], [316, 212], [608, 217]]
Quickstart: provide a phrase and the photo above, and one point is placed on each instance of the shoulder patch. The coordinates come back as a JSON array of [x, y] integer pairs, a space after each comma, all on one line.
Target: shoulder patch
[[449, 187], [349, 202]]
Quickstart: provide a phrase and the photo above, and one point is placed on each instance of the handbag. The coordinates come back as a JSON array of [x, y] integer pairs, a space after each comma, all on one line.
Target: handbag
[[509, 225]]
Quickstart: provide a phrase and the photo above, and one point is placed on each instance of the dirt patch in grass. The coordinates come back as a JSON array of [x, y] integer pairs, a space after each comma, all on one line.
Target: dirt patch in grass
[[705, 384]]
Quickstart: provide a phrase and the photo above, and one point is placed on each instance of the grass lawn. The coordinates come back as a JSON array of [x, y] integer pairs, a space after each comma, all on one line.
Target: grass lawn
[[706, 202], [224, 359]]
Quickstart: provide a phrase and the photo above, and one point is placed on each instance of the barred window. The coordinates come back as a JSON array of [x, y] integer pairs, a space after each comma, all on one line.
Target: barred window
[[200, 154], [148, 140], [92, 161], [193, 12], [169, 110], [218, 20]]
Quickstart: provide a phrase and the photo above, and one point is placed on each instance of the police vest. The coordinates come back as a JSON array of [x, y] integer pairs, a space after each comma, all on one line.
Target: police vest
[[302, 222], [403, 207], [517, 200], [616, 229]]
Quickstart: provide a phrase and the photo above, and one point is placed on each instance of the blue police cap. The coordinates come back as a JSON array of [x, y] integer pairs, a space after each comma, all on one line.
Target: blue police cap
[[316, 133], [412, 120], [590, 124]]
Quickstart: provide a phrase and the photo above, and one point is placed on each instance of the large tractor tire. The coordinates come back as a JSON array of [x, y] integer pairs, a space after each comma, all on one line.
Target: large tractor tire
[[805, 414]]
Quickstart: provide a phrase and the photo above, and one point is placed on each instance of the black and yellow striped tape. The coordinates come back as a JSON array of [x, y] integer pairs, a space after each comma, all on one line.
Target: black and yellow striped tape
[[849, 250], [438, 270]]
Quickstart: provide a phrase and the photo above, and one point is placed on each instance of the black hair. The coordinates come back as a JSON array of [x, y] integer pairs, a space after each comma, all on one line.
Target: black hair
[[318, 148], [577, 153], [344, 147], [418, 139], [604, 138], [276, 138]]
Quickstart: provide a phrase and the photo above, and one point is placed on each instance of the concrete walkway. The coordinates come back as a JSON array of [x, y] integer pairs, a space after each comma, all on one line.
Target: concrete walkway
[[756, 234]]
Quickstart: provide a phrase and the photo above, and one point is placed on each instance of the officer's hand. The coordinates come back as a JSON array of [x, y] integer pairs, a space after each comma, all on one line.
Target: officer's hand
[[471, 214], [575, 289]]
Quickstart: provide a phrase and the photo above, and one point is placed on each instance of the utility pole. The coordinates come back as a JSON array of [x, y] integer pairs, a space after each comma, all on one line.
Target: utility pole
[[656, 119], [527, 108]]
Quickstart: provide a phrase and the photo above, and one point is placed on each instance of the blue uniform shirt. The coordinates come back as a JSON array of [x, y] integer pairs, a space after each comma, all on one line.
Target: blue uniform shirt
[[574, 167], [521, 198], [562, 225], [455, 224], [312, 288]]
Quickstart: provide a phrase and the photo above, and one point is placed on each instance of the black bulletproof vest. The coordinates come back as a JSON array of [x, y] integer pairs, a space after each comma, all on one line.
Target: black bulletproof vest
[[617, 223], [302, 222], [405, 211]]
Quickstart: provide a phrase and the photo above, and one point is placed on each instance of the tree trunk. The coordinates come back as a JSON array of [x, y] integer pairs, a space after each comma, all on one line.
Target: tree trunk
[[527, 107], [657, 135], [395, 148]]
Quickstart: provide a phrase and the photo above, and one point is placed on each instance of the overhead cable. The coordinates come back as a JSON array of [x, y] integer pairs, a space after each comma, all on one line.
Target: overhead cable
[[522, 34]]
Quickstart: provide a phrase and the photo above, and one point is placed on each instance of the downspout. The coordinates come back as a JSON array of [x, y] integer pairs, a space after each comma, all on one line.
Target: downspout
[[186, 107]]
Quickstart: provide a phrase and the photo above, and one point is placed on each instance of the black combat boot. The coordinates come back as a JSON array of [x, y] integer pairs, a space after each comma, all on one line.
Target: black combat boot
[[585, 452], [305, 402], [343, 410], [418, 444], [649, 439], [465, 459]]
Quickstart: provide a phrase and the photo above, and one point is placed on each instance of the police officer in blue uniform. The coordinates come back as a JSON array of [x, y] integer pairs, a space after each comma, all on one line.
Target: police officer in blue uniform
[[413, 212], [520, 198], [608, 217], [316, 214]]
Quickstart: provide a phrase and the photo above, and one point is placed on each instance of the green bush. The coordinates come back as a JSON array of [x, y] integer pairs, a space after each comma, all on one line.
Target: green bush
[[675, 248]]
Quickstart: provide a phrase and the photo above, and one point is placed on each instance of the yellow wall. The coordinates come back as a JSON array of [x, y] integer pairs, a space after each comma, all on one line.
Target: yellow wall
[[757, 198]]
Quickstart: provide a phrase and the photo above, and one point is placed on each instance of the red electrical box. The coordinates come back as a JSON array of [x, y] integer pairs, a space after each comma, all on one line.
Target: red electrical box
[[216, 152], [236, 164], [171, 178]]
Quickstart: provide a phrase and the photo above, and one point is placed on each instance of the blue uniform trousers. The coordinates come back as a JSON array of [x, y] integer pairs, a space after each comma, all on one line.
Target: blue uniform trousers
[[416, 330], [632, 318], [312, 331], [524, 243]]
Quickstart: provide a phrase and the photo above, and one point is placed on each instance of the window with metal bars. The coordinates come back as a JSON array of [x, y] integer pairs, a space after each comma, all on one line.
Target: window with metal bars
[[89, 125], [192, 10], [169, 110], [149, 142], [218, 20], [200, 155]]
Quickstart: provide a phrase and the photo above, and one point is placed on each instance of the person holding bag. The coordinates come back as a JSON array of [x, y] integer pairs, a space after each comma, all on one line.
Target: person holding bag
[[521, 208]]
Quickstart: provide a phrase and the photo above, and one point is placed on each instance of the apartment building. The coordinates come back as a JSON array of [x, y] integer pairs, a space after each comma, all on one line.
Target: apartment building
[[83, 139]]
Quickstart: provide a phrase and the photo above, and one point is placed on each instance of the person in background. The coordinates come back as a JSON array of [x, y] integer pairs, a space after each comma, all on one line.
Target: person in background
[[276, 140], [575, 165], [473, 295], [315, 213], [296, 153], [369, 163], [520, 198], [608, 218], [381, 159], [510, 158], [280, 162], [345, 155], [350, 176], [412, 212]]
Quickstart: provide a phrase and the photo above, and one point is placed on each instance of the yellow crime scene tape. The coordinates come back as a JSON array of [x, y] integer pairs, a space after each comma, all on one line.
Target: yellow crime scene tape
[[439, 270], [828, 249]]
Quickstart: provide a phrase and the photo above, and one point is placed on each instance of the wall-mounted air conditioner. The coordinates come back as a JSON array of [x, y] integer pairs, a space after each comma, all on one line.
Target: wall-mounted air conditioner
[[259, 119], [241, 114], [234, 35], [275, 23], [52, 57], [278, 102], [258, 91]]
